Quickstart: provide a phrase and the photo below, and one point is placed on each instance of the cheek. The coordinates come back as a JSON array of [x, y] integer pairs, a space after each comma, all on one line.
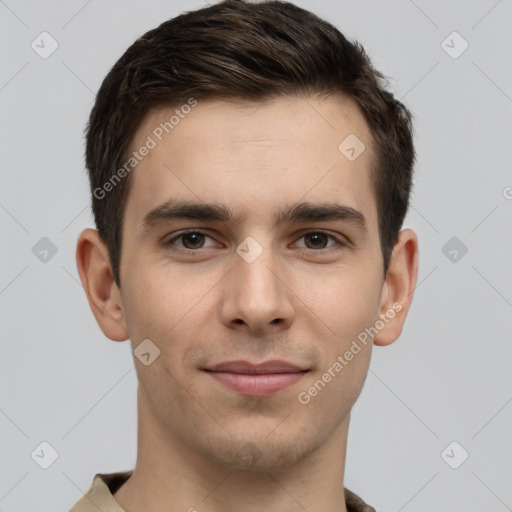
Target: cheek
[[347, 309], [354, 312], [160, 311], [158, 299], [173, 311], [343, 301]]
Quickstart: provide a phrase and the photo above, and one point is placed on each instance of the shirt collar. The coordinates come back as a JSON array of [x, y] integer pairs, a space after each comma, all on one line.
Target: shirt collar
[[100, 495]]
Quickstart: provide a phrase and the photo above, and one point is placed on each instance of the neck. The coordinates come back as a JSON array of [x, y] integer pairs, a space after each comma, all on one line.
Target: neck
[[169, 475]]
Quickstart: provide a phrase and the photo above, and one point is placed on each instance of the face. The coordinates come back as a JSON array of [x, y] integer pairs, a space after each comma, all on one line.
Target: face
[[260, 278]]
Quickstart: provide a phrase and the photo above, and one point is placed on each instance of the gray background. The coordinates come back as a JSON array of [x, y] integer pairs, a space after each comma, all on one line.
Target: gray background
[[448, 378]]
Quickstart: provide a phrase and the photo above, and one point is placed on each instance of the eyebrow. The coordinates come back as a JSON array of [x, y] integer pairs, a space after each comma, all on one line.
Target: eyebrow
[[209, 212]]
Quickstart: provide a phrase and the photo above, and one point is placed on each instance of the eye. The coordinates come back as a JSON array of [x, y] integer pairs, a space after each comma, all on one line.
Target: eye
[[190, 240], [318, 240]]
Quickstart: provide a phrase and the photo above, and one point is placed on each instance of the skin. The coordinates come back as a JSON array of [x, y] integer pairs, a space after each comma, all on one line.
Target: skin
[[297, 302]]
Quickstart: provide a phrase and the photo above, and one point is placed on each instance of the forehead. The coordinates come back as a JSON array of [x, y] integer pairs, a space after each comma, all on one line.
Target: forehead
[[253, 157]]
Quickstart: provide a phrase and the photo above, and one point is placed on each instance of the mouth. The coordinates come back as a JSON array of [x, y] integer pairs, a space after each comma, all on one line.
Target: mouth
[[262, 379]]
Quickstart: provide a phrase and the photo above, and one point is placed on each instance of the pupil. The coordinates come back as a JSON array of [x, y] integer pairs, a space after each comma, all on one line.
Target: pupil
[[316, 239], [195, 237]]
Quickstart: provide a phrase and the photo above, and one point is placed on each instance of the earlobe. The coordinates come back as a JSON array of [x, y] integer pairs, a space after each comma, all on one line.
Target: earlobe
[[398, 288], [95, 272]]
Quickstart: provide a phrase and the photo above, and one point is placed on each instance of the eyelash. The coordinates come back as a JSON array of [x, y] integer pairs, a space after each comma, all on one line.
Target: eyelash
[[196, 231]]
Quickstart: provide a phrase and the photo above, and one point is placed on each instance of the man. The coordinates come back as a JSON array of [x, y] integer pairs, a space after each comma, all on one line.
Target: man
[[250, 177]]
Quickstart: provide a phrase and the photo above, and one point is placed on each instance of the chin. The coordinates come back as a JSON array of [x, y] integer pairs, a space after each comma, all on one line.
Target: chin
[[261, 454]]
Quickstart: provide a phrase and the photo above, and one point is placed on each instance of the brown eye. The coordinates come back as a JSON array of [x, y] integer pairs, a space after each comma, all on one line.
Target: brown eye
[[319, 240], [316, 240], [193, 240]]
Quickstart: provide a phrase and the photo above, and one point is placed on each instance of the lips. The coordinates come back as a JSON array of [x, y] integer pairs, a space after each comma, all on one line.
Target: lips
[[274, 366], [261, 379]]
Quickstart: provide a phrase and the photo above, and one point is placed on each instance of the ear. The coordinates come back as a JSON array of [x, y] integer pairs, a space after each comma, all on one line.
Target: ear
[[95, 272], [398, 288]]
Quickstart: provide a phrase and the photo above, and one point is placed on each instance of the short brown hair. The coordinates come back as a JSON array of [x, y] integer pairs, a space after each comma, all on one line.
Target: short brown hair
[[240, 50]]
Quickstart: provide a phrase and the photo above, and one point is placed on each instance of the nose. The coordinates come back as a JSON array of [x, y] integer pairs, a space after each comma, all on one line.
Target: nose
[[255, 296]]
